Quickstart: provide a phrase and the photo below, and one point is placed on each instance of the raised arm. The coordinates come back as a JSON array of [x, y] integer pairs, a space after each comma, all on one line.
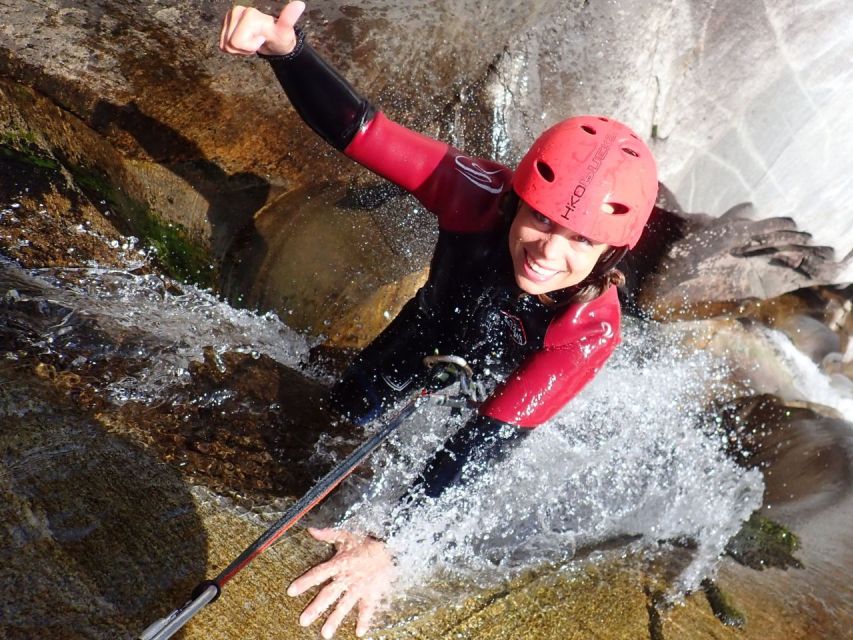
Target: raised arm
[[462, 191]]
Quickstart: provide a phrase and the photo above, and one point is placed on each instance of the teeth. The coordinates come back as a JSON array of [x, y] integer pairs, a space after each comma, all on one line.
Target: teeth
[[541, 271]]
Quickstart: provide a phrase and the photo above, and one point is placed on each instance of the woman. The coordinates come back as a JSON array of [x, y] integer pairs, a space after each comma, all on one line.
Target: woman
[[520, 283]]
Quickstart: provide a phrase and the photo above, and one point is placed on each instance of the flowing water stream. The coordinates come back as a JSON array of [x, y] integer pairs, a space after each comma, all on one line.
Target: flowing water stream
[[637, 460]]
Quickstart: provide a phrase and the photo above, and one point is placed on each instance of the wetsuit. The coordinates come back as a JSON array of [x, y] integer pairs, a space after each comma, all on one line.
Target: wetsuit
[[536, 355]]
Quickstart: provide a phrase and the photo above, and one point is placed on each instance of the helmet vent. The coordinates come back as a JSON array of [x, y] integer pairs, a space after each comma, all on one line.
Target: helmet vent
[[630, 152], [616, 208], [545, 171], [588, 129], [603, 119]]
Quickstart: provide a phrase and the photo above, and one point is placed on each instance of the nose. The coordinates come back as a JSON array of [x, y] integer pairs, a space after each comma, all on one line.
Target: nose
[[555, 247]]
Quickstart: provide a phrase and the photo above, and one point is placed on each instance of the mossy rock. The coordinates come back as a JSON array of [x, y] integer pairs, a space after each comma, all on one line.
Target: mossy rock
[[173, 249], [763, 543]]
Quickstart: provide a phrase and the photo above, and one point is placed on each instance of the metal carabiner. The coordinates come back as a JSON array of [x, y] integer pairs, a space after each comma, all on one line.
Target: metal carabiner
[[459, 361], [469, 388]]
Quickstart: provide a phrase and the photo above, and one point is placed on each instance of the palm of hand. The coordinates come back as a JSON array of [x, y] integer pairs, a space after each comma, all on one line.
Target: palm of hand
[[360, 573]]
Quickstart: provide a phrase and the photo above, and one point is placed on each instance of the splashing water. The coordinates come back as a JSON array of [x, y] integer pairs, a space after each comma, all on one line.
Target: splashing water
[[636, 454], [146, 318], [807, 378]]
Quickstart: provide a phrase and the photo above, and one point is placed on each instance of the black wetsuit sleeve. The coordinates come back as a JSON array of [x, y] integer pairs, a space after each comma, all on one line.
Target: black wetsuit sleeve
[[322, 98], [481, 441]]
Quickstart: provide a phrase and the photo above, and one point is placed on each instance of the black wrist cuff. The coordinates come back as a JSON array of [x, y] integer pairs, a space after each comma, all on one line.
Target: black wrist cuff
[[482, 441], [320, 95], [300, 44]]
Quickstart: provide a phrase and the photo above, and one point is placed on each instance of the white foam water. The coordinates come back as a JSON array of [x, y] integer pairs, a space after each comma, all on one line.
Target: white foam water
[[806, 377], [638, 453], [165, 324]]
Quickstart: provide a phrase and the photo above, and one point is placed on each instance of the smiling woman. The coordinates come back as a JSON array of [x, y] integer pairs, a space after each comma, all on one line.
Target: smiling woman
[[520, 282], [547, 257]]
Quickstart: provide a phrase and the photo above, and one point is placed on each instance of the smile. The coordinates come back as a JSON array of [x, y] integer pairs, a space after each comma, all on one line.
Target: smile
[[538, 272]]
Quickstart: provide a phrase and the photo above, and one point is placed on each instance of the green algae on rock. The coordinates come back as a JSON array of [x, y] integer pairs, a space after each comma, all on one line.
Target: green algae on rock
[[178, 255], [763, 543], [720, 603]]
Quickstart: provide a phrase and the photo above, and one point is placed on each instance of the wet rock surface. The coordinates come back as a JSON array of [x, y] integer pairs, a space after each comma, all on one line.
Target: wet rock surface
[[331, 264], [95, 527], [208, 140], [89, 188], [688, 264], [113, 511], [245, 427], [222, 443]]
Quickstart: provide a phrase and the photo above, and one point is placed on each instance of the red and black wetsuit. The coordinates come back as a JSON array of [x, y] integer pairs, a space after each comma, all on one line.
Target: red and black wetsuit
[[540, 355]]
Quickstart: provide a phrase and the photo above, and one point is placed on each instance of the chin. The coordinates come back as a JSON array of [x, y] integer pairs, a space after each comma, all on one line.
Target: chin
[[534, 288]]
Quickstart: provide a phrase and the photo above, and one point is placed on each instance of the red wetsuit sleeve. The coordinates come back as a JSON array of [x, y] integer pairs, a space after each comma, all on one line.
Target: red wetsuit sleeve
[[577, 345], [463, 192]]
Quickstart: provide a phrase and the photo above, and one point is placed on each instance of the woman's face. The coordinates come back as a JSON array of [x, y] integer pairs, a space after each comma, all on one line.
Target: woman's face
[[546, 256]]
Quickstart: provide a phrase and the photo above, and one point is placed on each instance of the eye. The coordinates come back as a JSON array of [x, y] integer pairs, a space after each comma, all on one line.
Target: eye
[[583, 240], [539, 218]]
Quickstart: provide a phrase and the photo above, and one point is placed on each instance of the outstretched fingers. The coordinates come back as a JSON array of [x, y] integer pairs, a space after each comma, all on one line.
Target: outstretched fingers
[[366, 611], [360, 573], [346, 604], [327, 597], [313, 577]]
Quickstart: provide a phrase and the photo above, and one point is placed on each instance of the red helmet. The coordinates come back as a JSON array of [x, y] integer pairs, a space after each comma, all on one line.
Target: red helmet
[[593, 175]]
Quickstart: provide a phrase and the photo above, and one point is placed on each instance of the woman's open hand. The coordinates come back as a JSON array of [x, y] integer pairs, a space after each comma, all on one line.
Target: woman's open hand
[[360, 573], [247, 31]]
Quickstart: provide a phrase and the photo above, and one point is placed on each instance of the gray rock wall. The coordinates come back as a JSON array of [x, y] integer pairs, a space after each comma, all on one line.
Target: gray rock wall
[[742, 101], [746, 100]]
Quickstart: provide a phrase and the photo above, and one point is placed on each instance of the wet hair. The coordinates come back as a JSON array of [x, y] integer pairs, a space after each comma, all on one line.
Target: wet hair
[[603, 276]]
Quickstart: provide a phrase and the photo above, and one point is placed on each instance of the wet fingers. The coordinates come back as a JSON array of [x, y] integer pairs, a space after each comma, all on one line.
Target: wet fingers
[[366, 609], [327, 596], [312, 578], [347, 602]]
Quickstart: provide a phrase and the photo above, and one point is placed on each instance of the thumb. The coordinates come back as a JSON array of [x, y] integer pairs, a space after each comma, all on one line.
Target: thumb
[[290, 14], [326, 535]]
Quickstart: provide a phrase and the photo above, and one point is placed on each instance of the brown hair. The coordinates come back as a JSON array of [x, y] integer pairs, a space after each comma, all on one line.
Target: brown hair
[[603, 276]]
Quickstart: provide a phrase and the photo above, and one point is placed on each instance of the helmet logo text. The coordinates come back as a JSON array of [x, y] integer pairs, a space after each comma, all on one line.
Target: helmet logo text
[[591, 170]]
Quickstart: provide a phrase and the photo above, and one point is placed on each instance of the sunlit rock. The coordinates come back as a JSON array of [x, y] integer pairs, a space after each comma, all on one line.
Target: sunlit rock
[[742, 103], [212, 142], [328, 265]]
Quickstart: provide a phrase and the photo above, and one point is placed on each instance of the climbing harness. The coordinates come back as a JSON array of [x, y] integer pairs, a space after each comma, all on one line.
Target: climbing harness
[[452, 368]]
